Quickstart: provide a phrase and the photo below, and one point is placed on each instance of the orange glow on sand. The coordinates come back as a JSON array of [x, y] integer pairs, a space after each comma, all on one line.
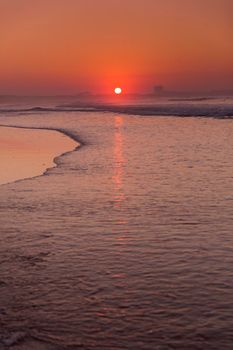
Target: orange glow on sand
[[118, 90]]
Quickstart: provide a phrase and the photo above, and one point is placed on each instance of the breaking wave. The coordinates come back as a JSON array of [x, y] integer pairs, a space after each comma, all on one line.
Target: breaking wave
[[198, 107]]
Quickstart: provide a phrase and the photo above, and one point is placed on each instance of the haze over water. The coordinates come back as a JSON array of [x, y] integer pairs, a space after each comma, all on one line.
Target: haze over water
[[127, 243]]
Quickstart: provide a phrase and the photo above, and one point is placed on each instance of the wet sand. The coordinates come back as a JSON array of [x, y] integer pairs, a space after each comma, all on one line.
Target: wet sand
[[26, 153]]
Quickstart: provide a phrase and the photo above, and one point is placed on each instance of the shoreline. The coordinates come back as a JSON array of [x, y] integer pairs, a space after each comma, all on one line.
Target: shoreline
[[51, 154]]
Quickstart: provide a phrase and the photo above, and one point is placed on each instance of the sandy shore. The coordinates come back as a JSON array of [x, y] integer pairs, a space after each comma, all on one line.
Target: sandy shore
[[26, 153]]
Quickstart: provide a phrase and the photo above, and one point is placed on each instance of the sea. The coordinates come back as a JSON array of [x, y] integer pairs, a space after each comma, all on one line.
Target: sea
[[127, 242]]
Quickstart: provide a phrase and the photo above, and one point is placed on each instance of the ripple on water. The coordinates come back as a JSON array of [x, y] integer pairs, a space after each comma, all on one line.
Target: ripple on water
[[127, 243]]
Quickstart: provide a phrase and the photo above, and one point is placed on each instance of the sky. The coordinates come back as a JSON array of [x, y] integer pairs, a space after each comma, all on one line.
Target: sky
[[68, 46]]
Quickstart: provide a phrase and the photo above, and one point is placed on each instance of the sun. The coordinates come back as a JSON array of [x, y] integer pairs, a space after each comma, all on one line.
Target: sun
[[118, 90]]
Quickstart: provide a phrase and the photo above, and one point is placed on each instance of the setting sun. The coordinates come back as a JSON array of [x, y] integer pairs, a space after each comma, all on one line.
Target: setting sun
[[118, 90]]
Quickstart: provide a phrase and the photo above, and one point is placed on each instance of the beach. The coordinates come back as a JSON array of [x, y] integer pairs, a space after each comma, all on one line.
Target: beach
[[26, 153], [126, 242], [116, 185]]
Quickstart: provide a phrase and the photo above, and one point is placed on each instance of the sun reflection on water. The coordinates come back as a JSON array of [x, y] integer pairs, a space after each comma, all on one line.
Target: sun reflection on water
[[119, 163]]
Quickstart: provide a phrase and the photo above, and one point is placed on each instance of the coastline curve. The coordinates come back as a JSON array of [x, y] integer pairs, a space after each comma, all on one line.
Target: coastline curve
[[53, 159]]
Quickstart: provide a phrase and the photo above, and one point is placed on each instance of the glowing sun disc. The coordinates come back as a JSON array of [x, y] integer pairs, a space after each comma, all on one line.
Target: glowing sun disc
[[118, 90]]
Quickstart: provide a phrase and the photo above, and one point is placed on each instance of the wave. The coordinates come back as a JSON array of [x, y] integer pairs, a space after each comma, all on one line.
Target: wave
[[45, 109], [193, 99], [184, 110], [167, 109]]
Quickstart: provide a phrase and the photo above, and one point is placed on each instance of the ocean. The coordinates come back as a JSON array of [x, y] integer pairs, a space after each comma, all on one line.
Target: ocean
[[127, 242]]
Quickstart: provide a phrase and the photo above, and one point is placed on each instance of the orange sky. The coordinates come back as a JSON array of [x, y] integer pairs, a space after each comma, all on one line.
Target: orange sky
[[65, 46]]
